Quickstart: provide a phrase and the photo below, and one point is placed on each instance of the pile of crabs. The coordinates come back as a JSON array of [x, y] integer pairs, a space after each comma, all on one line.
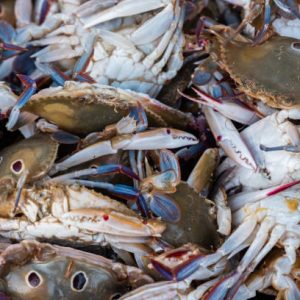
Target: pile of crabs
[[149, 149]]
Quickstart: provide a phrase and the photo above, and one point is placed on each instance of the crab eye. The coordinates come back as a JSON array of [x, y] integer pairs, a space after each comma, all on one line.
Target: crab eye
[[296, 46], [79, 281], [168, 131], [17, 166], [34, 279]]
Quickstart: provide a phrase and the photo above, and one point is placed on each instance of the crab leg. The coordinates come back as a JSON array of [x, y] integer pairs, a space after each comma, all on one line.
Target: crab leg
[[33, 31], [165, 40], [176, 41], [230, 109], [91, 6], [8, 50], [223, 212], [23, 9], [30, 88], [101, 170], [229, 138], [149, 140], [123, 9], [237, 201], [155, 27], [42, 10], [109, 221]]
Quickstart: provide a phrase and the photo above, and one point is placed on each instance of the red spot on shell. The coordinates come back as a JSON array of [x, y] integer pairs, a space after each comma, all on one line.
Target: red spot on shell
[[17, 166], [219, 138], [105, 217]]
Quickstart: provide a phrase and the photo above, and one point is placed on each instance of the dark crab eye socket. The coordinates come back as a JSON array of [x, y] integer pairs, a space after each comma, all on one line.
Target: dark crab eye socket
[[115, 296], [79, 281], [17, 166], [296, 46], [34, 279]]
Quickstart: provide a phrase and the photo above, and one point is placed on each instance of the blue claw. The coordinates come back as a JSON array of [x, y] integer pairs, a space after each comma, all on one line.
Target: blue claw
[[180, 272], [139, 114], [168, 161], [30, 89], [187, 268], [114, 168], [165, 207], [162, 269]]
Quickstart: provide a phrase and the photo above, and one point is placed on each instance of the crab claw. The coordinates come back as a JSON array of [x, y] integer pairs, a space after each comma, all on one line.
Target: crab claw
[[180, 270], [169, 161], [234, 110], [229, 138], [165, 207], [156, 139], [30, 88], [101, 170]]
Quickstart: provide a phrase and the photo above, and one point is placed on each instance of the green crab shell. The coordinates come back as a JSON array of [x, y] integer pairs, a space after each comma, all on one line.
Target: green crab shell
[[61, 278], [92, 107], [196, 226], [269, 72], [36, 154]]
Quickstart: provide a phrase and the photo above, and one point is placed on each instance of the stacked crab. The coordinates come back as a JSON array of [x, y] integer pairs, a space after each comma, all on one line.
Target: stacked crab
[[90, 160]]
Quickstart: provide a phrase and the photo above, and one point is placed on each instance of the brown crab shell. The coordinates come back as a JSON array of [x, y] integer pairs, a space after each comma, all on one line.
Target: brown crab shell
[[37, 155], [92, 107], [269, 71], [39, 271], [196, 224]]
